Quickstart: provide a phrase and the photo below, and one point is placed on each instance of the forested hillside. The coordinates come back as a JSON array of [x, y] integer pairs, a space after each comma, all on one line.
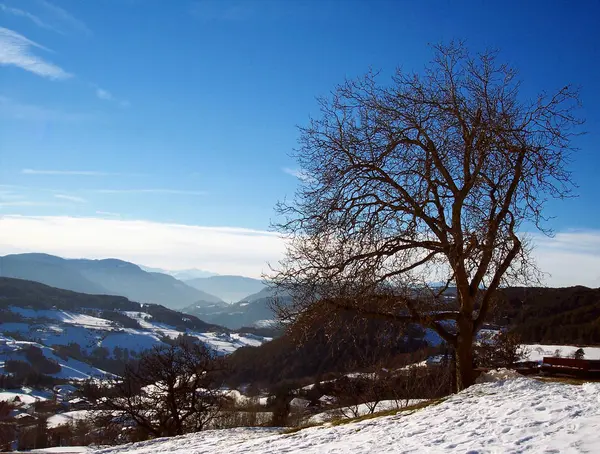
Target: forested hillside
[[554, 315]]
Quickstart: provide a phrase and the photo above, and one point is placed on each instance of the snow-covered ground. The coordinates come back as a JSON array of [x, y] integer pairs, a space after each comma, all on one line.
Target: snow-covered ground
[[514, 415], [536, 352], [63, 450], [70, 368], [58, 327], [26, 395], [64, 317], [63, 419], [361, 410]]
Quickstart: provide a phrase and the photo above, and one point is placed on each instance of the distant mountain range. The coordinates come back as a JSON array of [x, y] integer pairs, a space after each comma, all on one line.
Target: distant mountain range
[[253, 311], [230, 289], [230, 301], [104, 277], [182, 275]]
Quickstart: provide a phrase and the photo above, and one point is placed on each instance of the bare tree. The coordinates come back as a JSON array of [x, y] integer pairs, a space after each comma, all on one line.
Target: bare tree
[[499, 349], [170, 391], [428, 179]]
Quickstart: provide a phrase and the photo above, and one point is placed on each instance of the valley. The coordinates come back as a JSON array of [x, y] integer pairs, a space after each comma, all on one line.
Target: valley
[[55, 339]]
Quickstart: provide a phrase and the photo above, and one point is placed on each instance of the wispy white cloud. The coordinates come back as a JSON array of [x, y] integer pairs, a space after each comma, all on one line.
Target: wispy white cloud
[[15, 50], [570, 257], [223, 250], [26, 203], [70, 198], [9, 195], [106, 95], [11, 198], [64, 19], [27, 15], [87, 173], [150, 191], [15, 110], [108, 213], [297, 173]]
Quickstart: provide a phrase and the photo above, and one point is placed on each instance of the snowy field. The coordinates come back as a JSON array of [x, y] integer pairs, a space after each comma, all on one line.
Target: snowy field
[[58, 327], [70, 369], [536, 352], [26, 395], [361, 410], [69, 417], [515, 415]]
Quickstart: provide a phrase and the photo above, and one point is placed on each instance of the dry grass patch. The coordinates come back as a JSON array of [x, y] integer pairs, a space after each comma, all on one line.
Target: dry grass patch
[[378, 414]]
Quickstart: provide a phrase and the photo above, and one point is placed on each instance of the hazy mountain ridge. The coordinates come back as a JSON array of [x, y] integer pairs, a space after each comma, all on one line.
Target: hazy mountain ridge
[[229, 288], [254, 310], [103, 277], [182, 275], [234, 316]]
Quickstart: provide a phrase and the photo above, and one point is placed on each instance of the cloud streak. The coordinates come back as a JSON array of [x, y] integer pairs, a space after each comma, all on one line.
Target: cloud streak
[[32, 17], [70, 198], [65, 19], [85, 173], [303, 176], [16, 50], [108, 213], [29, 112], [106, 95], [150, 191], [570, 258], [223, 250], [26, 203]]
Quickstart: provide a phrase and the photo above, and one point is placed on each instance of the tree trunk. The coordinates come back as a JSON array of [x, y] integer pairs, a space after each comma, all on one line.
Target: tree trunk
[[465, 374]]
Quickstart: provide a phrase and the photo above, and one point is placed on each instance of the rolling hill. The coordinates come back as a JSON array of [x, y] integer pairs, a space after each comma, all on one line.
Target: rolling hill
[[99, 328], [234, 316], [254, 310]]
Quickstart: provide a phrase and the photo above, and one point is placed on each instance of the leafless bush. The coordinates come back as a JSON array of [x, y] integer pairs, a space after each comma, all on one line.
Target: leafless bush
[[171, 391], [499, 349]]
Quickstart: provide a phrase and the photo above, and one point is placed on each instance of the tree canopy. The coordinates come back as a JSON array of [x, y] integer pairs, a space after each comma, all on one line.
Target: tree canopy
[[428, 179]]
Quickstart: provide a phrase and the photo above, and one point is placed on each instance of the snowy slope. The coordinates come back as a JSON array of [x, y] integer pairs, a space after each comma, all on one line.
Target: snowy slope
[[71, 369], [536, 352], [69, 417], [59, 327], [516, 415]]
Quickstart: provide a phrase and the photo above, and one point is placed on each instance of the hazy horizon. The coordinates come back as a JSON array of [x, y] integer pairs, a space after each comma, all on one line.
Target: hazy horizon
[[160, 132]]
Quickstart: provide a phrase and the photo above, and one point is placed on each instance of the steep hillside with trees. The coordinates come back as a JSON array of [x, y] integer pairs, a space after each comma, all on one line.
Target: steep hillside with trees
[[554, 315]]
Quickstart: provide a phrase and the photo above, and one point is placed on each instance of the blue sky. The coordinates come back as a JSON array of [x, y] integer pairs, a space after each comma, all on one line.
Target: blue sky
[[183, 112]]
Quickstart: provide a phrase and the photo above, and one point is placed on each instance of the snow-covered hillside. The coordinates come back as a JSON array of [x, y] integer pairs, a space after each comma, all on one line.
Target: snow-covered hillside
[[536, 352], [59, 327], [70, 369], [515, 415]]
